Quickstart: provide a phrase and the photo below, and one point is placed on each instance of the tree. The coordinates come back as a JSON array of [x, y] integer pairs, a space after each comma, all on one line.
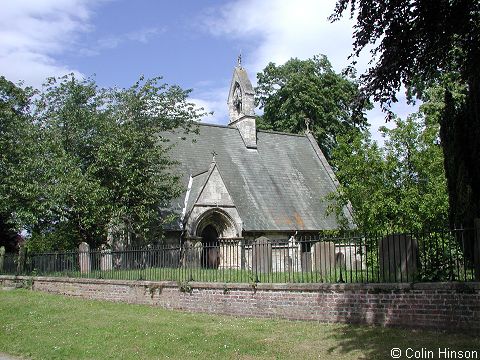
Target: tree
[[309, 89], [100, 162], [402, 186], [361, 173], [18, 153], [415, 43]]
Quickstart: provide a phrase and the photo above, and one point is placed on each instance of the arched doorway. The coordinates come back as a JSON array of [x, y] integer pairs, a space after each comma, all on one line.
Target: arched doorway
[[211, 251]]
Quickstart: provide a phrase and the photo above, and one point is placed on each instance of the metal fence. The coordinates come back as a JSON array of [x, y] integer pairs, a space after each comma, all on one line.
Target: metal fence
[[334, 258]]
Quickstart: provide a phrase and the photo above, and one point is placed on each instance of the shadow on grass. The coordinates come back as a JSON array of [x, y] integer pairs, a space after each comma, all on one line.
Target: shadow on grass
[[377, 341]]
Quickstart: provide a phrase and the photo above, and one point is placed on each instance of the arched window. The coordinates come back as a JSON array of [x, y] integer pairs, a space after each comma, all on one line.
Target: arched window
[[237, 98]]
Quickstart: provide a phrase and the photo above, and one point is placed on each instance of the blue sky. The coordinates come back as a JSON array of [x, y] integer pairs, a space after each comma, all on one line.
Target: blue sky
[[191, 43]]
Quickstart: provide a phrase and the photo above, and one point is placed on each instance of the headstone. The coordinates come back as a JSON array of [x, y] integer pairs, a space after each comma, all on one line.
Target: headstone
[[262, 255], [192, 257], [106, 261], [2, 257], [288, 263], [84, 258], [294, 255], [118, 255], [198, 250], [398, 257], [323, 255], [21, 259], [306, 261], [340, 260], [187, 253]]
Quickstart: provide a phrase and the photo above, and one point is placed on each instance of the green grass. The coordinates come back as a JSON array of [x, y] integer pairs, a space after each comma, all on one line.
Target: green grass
[[332, 275], [221, 275], [44, 326]]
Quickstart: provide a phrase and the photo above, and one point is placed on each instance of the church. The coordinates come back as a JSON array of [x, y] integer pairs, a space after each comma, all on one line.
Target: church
[[242, 183]]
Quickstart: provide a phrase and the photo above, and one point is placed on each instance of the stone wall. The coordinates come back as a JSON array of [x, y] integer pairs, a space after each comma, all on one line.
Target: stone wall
[[449, 306]]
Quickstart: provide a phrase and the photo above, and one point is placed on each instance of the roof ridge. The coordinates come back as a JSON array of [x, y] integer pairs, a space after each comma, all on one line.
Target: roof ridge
[[280, 133], [214, 125], [258, 130]]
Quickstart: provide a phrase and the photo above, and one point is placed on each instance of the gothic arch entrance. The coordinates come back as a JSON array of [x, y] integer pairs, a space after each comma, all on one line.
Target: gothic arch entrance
[[218, 233], [210, 249], [219, 220]]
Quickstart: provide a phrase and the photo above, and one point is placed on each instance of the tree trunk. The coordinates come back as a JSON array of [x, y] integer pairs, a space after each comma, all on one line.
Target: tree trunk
[[460, 137]]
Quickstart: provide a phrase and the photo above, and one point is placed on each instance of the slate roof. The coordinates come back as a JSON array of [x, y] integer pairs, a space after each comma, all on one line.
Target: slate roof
[[198, 181], [281, 186]]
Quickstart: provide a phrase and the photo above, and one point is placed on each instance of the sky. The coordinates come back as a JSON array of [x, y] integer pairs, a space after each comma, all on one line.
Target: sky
[[191, 43]]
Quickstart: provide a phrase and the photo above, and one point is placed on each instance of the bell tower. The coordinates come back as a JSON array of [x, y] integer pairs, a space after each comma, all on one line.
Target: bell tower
[[241, 105]]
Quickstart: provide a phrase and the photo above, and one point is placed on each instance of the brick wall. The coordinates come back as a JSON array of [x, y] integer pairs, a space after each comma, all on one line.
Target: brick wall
[[452, 306]]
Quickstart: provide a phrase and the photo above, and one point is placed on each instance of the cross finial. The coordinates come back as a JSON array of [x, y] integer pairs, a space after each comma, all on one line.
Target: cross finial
[[239, 59], [307, 123], [213, 155]]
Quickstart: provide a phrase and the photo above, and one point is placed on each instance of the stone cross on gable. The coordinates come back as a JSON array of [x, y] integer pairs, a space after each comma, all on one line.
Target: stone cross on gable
[[213, 155], [307, 123]]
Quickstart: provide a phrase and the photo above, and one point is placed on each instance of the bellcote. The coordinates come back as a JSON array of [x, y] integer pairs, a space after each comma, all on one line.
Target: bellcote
[[241, 105]]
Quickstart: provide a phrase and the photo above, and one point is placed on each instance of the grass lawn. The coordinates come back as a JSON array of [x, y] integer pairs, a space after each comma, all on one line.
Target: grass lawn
[[44, 326], [220, 275]]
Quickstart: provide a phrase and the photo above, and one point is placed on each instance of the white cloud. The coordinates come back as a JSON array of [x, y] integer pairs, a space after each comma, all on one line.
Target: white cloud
[[278, 30], [34, 32], [285, 29], [143, 36], [212, 101]]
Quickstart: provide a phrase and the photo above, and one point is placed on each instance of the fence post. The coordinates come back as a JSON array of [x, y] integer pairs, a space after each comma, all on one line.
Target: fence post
[[2, 257], [476, 250]]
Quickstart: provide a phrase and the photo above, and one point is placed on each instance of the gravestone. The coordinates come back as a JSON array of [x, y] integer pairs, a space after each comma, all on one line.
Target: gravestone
[[118, 255], [340, 260], [262, 255], [188, 254], [294, 255], [398, 257], [106, 260], [84, 258], [192, 254], [324, 256], [2, 257], [198, 250], [22, 251], [306, 256]]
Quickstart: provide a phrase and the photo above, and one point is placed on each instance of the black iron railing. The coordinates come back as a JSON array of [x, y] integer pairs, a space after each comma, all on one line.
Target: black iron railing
[[333, 258]]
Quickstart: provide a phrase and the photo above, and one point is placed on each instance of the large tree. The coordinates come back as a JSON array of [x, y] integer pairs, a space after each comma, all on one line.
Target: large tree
[[398, 187], [95, 160], [415, 43], [18, 154], [310, 90]]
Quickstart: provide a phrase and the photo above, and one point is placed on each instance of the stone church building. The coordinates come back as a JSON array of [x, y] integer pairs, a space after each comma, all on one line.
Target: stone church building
[[242, 183]]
